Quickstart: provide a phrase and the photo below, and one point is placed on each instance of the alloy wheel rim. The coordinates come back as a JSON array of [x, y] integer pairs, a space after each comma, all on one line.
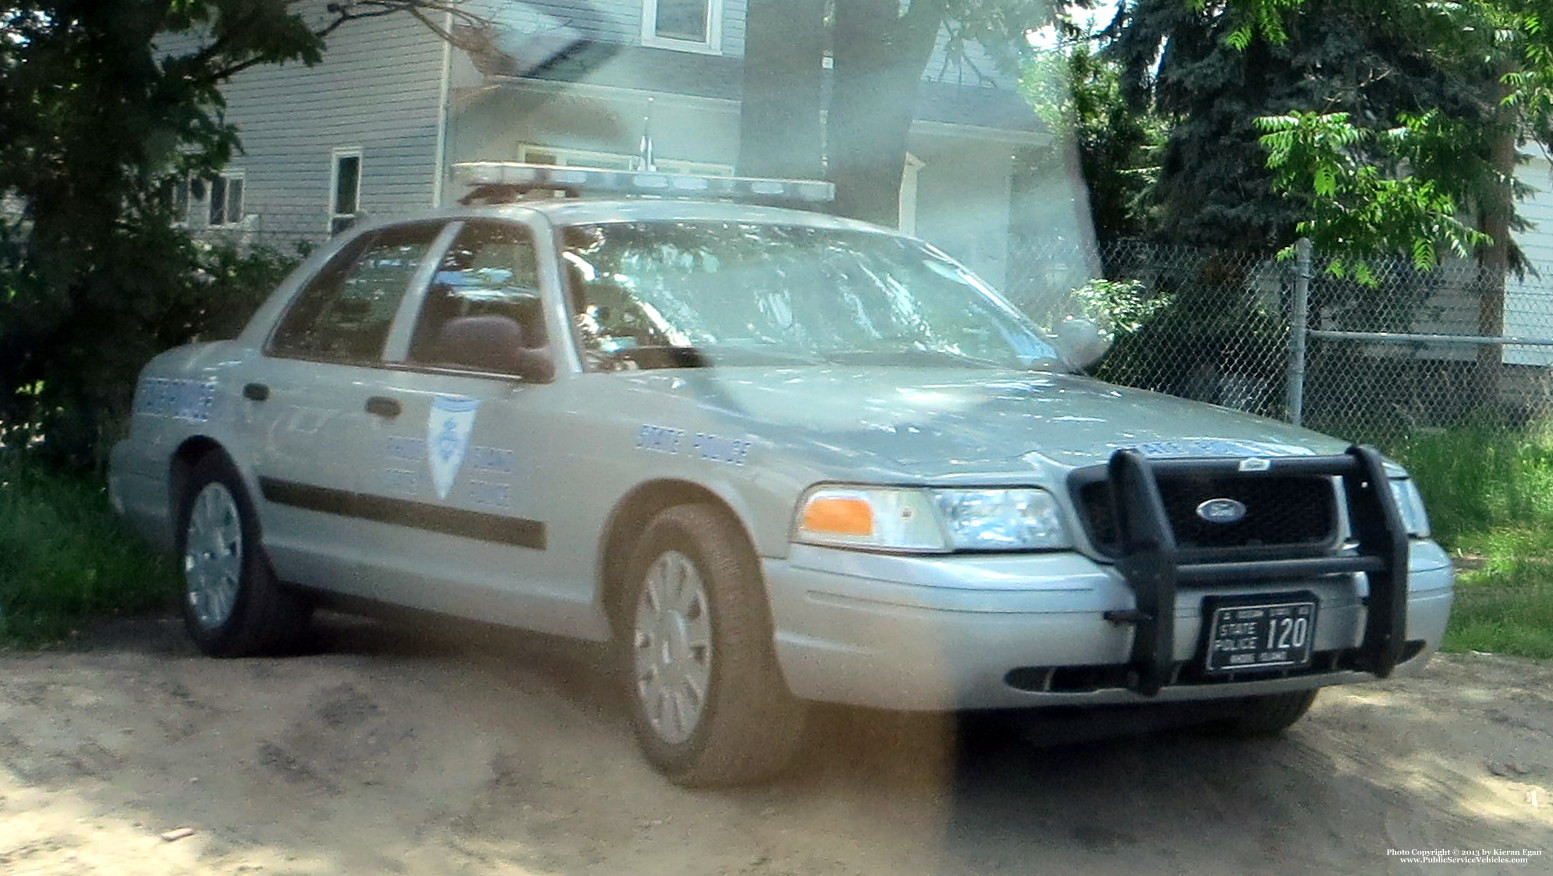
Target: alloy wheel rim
[[213, 555], [673, 647]]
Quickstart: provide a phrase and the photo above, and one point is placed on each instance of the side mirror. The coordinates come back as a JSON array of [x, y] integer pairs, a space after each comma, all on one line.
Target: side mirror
[[1081, 342]]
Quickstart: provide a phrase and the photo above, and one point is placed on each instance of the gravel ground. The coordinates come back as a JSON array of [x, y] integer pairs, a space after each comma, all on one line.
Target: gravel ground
[[388, 750]]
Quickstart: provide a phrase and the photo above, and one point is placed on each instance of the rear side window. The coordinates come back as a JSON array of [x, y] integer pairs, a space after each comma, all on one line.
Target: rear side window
[[344, 312]]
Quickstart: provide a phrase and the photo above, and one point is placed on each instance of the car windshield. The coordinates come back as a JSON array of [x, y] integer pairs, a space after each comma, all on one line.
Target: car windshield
[[689, 293]]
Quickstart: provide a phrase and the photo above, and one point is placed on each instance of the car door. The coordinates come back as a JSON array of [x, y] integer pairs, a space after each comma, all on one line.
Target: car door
[[313, 396], [459, 484]]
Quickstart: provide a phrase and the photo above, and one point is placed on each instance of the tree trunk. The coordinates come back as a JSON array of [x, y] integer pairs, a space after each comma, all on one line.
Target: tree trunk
[[780, 133], [879, 57]]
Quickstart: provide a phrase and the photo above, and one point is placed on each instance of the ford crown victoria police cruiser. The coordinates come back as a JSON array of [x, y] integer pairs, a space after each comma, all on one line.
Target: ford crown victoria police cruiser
[[777, 458]]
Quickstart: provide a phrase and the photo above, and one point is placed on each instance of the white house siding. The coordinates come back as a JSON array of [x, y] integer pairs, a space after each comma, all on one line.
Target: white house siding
[[963, 197], [492, 124], [614, 21], [977, 68], [1453, 307], [378, 89], [620, 21], [963, 186], [1529, 301]]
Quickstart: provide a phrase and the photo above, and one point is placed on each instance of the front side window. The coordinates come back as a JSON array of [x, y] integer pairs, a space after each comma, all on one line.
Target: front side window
[[344, 312], [683, 24], [689, 293]]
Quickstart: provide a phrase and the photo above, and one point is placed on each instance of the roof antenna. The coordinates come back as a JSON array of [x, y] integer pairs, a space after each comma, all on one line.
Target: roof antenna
[[644, 159]]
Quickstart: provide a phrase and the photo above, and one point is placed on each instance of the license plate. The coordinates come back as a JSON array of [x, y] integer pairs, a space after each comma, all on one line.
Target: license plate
[[1259, 632]]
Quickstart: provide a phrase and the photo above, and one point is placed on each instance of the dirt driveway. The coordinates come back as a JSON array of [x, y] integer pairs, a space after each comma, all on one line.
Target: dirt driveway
[[390, 751]]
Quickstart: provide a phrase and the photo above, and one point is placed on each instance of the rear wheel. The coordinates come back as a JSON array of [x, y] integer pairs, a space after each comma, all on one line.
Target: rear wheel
[[1268, 715], [708, 703], [232, 604]]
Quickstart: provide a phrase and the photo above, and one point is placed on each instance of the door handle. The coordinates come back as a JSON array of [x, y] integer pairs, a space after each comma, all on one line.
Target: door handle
[[256, 391], [383, 406]]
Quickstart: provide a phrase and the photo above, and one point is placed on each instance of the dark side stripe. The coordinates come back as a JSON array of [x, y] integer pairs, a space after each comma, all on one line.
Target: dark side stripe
[[403, 512]]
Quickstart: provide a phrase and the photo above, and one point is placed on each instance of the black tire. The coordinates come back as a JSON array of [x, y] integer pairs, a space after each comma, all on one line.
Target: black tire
[[260, 615], [749, 725], [1267, 715]]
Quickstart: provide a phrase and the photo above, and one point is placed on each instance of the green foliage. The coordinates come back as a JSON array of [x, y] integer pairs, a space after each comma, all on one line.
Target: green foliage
[[1253, 18], [1483, 476], [1355, 212], [1489, 490], [1119, 307], [98, 118], [1077, 93], [69, 362], [1501, 614], [64, 558], [1214, 69]]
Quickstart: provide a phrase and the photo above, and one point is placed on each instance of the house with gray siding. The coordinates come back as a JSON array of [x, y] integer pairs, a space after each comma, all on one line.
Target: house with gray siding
[[375, 128]]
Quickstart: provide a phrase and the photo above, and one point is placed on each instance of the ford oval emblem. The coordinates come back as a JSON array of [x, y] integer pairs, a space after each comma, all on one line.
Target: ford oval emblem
[[1222, 511]]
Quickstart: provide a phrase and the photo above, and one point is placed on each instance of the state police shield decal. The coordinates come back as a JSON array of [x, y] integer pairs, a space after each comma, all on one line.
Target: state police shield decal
[[451, 423]]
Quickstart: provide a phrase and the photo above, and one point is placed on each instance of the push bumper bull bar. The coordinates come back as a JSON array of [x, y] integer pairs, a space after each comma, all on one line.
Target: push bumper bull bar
[[1154, 567]]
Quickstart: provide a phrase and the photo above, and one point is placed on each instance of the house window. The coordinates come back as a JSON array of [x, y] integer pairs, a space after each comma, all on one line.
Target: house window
[[344, 190], [181, 200], [225, 199], [691, 25], [212, 201]]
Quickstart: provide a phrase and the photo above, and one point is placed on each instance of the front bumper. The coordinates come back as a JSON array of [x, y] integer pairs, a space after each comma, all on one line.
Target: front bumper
[[1001, 631]]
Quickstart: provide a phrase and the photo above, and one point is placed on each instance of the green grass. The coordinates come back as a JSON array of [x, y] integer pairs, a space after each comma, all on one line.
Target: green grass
[[1489, 490], [64, 557]]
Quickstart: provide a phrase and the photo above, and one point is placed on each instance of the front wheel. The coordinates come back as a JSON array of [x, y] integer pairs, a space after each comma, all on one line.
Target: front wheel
[[708, 703], [232, 604]]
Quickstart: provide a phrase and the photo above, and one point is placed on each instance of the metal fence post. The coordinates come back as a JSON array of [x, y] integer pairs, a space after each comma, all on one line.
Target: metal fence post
[[1298, 331]]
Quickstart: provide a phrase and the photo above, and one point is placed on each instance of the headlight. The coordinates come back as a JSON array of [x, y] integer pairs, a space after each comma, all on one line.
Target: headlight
[[1410, 504], [931, 521]]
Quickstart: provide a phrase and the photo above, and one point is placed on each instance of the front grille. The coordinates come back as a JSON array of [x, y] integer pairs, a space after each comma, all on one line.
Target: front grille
[[1282, 512]]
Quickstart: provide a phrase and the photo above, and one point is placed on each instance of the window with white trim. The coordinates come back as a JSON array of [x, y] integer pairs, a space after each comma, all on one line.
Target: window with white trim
[[688, 25], [344, 189], [209, 201], [224, 199], [182, 199], [533, 154]]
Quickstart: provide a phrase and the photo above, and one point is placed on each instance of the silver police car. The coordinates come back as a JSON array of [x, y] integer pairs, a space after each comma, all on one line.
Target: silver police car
[[775, 458]]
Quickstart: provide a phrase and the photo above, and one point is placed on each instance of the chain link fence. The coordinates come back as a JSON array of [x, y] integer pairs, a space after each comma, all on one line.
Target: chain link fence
[[292, 231], [1414, 350]]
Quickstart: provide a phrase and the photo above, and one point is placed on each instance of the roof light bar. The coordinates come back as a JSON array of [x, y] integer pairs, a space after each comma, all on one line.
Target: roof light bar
[[490, 178]]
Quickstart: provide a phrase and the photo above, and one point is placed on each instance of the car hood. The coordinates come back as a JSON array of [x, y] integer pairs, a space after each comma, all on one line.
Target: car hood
[[953, 421]]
